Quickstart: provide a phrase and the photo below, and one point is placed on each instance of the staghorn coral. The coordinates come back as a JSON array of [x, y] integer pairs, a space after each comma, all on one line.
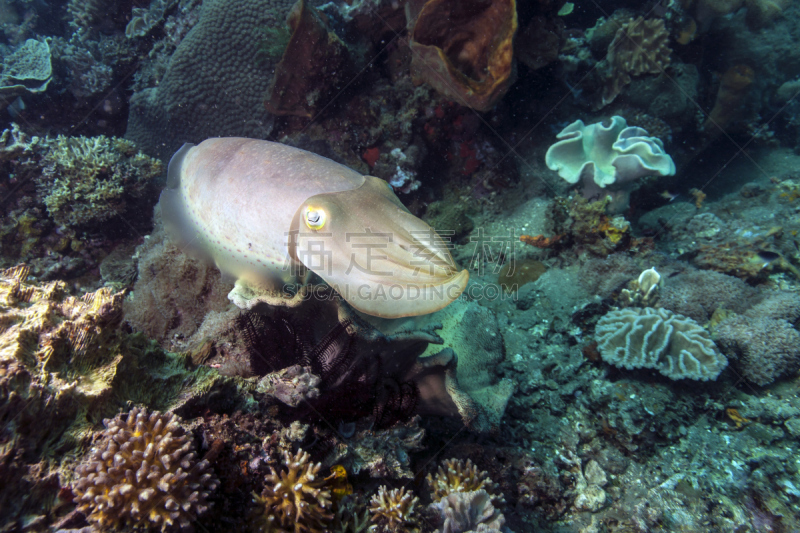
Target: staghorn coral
[[456, 476], [391, 509], [295, 499], [463, 512], [463, 49], [144, 473], [673, 344], [639, 47]]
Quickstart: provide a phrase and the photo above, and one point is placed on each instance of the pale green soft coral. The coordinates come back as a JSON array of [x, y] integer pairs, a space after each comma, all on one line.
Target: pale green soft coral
[[603, 154], [89, 179]]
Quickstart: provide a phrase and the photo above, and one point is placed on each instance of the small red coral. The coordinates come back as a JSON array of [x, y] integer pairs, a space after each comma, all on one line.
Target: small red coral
[[371, 155]]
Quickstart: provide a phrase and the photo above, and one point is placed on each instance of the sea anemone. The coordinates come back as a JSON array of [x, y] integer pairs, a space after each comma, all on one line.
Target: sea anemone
[[144, 472]]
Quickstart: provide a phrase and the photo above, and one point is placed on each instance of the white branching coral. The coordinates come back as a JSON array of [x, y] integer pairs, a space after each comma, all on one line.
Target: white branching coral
[[391, 509], [294, 499]]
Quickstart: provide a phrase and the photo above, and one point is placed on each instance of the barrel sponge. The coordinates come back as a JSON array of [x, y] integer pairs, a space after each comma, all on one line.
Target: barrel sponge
[[602, 154], [675, 345], [216, 80]]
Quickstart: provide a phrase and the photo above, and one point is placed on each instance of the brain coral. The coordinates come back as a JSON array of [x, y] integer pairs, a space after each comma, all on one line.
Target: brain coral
[[215, 82], [144, 473], [674, 345]]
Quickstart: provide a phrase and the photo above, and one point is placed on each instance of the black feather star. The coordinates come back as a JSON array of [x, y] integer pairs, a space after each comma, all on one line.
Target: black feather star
[[351, 386]]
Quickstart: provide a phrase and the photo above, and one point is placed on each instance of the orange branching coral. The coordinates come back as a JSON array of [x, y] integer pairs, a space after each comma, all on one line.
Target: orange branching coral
[[639, 47], [294, 499], [391, 509], [463, 49], [733, 88], [457, 476], [144, 473]]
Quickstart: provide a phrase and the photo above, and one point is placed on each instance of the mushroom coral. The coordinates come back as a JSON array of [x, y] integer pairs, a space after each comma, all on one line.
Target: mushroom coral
[[602, 155]]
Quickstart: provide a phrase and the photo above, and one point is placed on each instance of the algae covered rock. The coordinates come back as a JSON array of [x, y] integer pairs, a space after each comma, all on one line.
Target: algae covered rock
[[65, 365]]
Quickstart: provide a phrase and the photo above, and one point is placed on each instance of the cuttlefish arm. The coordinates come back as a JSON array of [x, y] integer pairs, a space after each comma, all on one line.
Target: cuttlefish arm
[[264, 212], [378, 256]]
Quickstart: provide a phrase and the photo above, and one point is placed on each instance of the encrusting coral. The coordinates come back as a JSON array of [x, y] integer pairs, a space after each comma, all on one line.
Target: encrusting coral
[[144, 473], [295, 499], [673, 344], [391, 509]]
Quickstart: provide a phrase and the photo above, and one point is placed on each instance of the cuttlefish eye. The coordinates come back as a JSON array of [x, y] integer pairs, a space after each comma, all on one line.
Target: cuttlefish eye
[[315, 218]]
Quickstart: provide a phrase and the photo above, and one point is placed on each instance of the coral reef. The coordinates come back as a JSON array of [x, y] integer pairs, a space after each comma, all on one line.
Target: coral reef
[[673, 344], [639, 47], [64, 365], [87, 180], [60, 187], [463, 49], [392, 509], [28, 69], [143, 20], [144, 472], [733, 89], [295, 498]]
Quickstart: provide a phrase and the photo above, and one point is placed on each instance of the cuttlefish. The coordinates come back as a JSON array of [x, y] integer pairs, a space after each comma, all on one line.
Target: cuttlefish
[[269, 215]]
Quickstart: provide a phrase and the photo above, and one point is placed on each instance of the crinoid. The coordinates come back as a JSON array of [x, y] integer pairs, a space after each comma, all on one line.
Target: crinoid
[[349, 382]]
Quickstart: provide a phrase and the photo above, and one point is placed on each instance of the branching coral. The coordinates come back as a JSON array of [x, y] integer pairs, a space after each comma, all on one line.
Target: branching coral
[[456, 476], [144, 472], [89, 178], [294, 499], [391, 509]]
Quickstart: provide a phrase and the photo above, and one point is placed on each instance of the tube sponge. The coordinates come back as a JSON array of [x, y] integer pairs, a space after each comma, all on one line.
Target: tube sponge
[[601, 155]]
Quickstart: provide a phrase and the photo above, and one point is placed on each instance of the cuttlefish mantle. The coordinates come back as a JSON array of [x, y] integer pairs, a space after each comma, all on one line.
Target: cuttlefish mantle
[[266, 214]]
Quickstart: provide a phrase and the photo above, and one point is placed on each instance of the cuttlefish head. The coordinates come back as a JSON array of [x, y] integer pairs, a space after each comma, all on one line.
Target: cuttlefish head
[[379, 257]]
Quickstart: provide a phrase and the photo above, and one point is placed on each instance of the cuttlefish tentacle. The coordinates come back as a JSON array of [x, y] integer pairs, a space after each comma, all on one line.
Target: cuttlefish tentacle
[[266, 213]]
